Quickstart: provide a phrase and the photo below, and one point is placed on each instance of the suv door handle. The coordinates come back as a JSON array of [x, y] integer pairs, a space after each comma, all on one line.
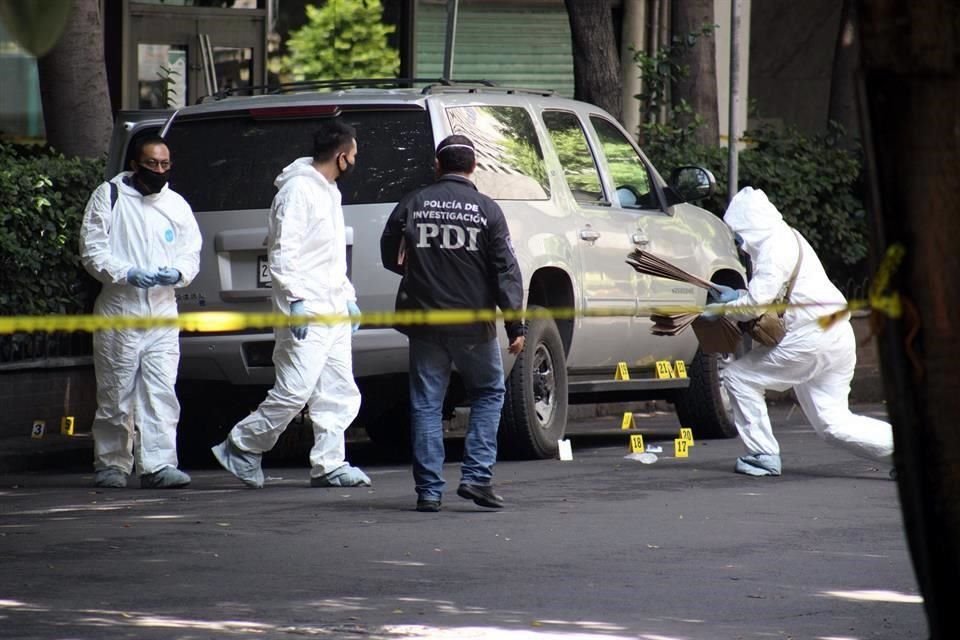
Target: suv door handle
[[589, 234], [640, 238]]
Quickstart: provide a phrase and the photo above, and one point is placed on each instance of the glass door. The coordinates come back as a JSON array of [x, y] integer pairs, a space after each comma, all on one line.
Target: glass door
[[176, 55]]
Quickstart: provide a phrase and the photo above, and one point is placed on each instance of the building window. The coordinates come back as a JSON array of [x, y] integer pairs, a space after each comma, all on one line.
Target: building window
[[21, 114], [162, 76]]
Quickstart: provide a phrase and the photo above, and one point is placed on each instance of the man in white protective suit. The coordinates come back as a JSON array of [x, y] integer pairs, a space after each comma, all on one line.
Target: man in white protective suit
[[314, 365], [140, 239], [818, 363]]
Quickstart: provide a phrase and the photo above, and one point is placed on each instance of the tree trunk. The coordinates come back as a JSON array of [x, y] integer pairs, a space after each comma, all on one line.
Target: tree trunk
[[911, 93], [699, 86], [73, 86], [596, 69], [843, 102]]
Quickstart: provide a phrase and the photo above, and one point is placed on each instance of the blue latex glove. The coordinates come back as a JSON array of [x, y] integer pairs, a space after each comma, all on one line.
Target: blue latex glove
[[141, 278], [297, 308], [712, 312], [722, 293], [168, 276], [354, 310]]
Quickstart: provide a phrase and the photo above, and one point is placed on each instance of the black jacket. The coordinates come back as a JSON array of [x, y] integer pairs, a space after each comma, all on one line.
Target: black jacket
[[457, 255]]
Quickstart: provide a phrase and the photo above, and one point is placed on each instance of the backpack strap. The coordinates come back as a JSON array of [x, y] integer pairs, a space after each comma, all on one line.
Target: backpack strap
[[114, 194], [796, 269]]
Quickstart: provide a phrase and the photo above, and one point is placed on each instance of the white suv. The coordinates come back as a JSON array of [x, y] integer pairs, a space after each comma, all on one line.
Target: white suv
[[578, 194]]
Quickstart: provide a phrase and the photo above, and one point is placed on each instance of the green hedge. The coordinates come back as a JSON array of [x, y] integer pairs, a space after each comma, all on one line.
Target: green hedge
[[42, 198], [815, 181]]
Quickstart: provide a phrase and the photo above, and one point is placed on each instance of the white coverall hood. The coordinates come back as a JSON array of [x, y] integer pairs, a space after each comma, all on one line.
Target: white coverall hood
[[301, 167], [774, 247], [754, 217], [307, 242]]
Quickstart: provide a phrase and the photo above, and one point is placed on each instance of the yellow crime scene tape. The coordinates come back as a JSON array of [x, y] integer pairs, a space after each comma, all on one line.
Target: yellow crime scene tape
[[879, 301]]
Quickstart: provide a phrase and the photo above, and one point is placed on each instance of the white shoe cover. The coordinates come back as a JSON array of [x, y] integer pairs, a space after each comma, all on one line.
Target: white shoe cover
[[345, 476], [243, 464]]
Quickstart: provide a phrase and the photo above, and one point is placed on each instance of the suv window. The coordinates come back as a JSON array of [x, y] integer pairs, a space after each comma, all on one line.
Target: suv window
[[630, 177], [230, 162], [575, 156], [510, 162]]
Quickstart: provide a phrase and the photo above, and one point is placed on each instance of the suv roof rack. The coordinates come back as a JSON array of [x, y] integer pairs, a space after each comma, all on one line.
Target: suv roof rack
[[433, 85]]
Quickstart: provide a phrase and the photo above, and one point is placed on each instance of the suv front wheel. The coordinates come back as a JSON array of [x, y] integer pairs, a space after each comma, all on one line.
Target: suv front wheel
[[704, 406], [534, 416]]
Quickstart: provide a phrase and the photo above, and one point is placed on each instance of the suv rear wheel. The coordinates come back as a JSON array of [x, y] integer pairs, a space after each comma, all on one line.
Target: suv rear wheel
[[534, 414]]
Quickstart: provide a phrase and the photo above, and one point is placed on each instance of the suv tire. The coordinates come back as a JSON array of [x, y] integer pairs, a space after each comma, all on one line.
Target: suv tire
[[534, 413], [703, 406]]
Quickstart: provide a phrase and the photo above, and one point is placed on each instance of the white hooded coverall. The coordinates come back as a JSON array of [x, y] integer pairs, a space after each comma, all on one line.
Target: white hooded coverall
[[136, 369], [308, 261], [817, 363]]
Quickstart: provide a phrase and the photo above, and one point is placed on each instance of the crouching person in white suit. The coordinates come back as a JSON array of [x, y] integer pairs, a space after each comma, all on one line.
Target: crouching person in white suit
[[816, 362]]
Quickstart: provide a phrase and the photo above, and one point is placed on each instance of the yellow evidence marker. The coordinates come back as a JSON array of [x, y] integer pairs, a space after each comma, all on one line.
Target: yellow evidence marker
[[66, 425], [687, 434], [680, 448], [680, 368], [636, 443], [39, 426], [664, 370], [628, 422], [622, 372]]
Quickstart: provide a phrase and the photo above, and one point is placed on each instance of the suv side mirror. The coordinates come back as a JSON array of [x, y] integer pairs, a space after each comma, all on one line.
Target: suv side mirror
[[692, 183]]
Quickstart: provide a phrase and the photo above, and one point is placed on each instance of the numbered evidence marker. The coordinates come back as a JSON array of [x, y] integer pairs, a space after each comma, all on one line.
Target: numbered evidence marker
[[39, 426], [680, 368], [687, 434], [680, 448], [622, 372], [66, 425], [664, 370], [636, 443], [628, 422]]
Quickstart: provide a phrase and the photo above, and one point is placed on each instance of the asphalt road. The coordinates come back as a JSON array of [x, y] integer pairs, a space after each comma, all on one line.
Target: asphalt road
[[600, 547]]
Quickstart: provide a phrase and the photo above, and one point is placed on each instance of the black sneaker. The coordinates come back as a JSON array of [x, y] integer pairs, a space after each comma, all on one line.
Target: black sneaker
[[482, 495], [428, 506]]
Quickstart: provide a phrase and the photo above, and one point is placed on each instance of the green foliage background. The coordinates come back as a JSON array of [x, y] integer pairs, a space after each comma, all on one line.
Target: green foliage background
[[42, 198], [814, 180], [342, 40]]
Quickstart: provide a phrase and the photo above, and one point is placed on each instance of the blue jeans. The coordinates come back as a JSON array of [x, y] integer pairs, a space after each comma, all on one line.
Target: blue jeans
[[481, 369]]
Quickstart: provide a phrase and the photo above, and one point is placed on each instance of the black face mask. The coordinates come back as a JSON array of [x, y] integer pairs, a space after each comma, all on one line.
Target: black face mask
[[152, 181], [345, 172]]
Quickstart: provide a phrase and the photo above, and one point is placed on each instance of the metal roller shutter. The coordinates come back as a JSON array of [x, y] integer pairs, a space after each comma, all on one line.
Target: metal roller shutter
[[512, 46]]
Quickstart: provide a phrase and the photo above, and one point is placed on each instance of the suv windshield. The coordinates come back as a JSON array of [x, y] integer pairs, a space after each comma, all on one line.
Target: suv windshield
[[230, 163]]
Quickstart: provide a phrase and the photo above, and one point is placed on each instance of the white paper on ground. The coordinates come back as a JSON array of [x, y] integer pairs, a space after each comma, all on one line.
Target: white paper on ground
[[566, 451], [645, 458]]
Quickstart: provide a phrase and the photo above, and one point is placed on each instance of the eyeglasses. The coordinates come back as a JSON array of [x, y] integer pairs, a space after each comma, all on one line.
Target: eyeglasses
[[150, 163]]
